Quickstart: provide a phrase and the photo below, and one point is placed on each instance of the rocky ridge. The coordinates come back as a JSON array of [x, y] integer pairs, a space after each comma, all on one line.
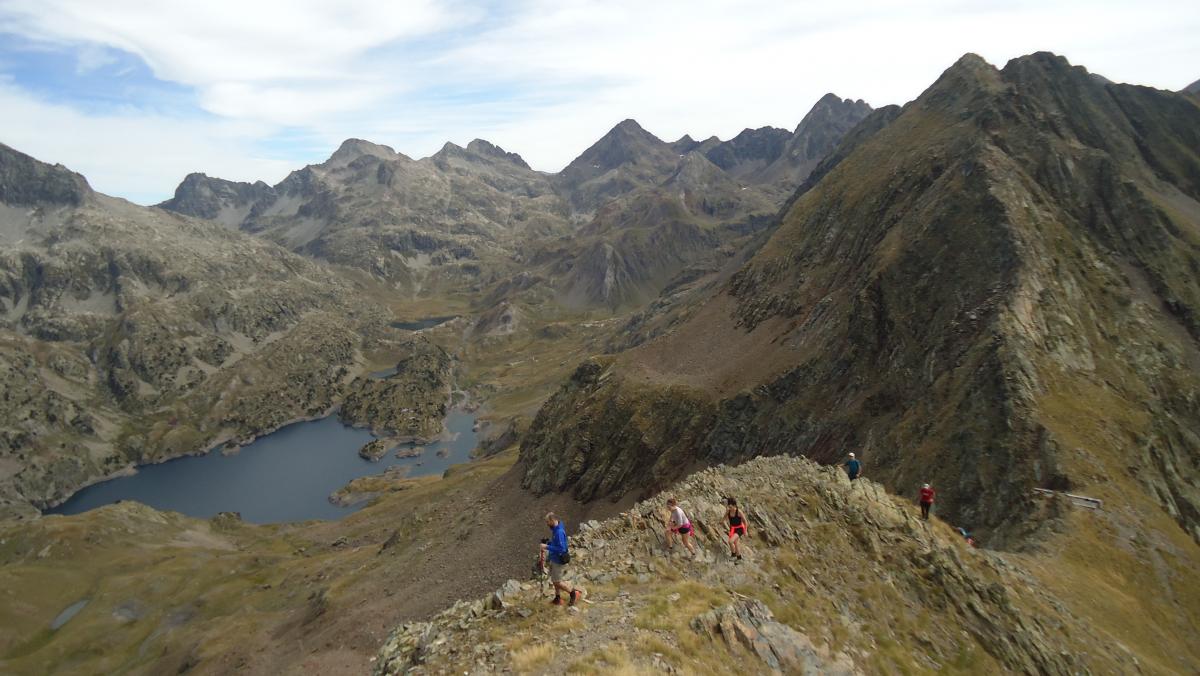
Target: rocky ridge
[[838, 577]]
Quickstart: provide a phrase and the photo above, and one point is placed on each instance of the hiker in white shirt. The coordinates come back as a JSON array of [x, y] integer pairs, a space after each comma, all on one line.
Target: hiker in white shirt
[[679, 523]]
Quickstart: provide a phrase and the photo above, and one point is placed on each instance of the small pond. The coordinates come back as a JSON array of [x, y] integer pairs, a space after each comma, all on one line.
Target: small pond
[[422, 324], [284, 476]]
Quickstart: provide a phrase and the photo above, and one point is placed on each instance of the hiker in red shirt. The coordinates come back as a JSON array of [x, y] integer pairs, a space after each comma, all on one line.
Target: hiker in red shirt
[[927, 494]]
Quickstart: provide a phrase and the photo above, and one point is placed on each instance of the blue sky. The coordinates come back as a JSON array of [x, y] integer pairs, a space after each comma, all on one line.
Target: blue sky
[[135, 95]]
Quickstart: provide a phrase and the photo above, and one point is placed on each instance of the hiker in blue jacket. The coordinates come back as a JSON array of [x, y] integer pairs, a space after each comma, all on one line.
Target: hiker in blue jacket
[[557, 556], [853, 467]]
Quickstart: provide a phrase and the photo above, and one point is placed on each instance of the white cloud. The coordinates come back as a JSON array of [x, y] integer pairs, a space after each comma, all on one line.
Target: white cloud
[[546, 78], [134, 155]]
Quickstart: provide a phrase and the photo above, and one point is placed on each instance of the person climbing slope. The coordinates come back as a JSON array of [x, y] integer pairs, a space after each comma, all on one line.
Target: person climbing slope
[[736, 520], [681, 525], [853, 467], [558, 556], [926, 500]]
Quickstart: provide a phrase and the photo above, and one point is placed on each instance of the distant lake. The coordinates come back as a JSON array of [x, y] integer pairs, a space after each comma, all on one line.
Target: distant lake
[[284, 476], [422, 324]]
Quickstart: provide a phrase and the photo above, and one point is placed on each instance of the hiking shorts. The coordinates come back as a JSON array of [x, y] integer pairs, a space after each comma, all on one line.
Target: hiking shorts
[[556, 571]]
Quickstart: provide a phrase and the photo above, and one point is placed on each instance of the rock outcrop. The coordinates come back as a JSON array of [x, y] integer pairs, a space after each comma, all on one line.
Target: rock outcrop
[[227, 202], [409, 404], [374, 450]]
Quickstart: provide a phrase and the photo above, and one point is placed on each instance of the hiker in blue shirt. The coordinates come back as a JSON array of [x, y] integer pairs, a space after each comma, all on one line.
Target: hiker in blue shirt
[[557, 556], [853, 467]]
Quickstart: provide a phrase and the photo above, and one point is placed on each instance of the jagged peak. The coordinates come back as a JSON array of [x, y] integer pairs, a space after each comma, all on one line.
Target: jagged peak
[[488, 149], [768, 129], [197, 178], [1044, 65], [624, 143], [968, 75], [629, 125]]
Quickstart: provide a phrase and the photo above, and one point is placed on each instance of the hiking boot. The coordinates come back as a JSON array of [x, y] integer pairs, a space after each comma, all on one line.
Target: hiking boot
[[557, 601], [574, 596]]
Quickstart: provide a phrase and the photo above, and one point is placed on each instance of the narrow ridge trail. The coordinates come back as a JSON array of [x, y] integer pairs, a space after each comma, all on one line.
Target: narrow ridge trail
[[838, 577]]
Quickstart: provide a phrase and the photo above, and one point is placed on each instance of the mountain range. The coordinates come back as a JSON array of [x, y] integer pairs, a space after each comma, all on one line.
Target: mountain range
[[993, 289]]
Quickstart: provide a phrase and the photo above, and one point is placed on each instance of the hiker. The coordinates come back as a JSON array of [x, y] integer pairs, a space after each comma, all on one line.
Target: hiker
[[927, 494], [853, 467], [736, 520], [968, 537], [679, 523], [557, 556]]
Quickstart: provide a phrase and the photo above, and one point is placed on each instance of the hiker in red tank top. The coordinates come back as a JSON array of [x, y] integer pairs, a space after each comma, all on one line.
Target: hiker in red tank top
[[927, 494]]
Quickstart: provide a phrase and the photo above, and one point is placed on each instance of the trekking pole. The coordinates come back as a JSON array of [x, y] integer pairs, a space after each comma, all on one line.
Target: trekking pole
[[542, 570]]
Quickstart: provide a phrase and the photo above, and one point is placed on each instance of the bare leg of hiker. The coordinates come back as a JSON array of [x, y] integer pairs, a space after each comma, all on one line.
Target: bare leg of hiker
[[560, 587], [687, 542]]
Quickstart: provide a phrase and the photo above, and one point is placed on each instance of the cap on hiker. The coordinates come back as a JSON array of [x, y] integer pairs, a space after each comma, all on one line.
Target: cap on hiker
[[851, 455], [925, 486]]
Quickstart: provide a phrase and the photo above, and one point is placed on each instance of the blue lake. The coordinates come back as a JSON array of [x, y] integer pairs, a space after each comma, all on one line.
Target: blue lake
[[284, 476]]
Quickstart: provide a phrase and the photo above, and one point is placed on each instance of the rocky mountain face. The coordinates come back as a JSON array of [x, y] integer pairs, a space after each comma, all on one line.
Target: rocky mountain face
[[815, 137], [993, 292], [26, 182], [131, 335], [401, 219], [626, 158], [750, 151], [838, 578], [227, 202], [1193, 88]]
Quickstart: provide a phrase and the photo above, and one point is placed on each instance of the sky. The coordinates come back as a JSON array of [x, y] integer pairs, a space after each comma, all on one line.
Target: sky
[[135, 95]]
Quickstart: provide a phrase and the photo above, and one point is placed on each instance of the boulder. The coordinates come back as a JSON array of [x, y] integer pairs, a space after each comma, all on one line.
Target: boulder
[[748, 624]]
